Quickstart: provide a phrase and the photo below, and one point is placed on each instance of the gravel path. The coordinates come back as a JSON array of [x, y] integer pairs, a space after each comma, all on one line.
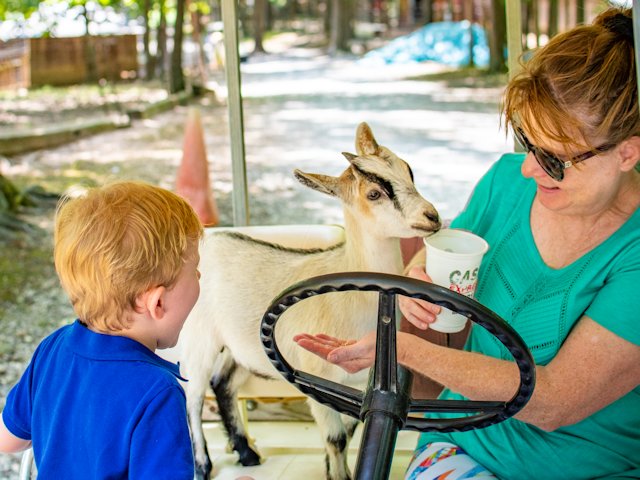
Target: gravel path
[[301, 111]]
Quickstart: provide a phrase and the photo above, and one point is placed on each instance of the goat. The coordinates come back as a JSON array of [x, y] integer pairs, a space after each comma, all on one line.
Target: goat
[[220, 341]]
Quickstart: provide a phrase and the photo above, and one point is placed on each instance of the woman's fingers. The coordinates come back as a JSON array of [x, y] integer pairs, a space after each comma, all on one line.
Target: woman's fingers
[[419, 312], [350, 355], [356, 355], [419, 273], [321, 344], [318, 346]]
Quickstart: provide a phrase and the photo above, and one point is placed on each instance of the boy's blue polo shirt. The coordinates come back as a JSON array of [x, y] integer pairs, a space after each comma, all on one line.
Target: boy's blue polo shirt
[[101, 407]]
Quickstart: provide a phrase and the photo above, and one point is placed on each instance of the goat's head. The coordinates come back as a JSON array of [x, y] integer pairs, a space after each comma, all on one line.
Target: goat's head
[[378, 189]]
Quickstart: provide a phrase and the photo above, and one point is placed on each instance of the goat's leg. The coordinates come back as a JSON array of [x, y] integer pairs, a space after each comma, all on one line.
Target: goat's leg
[[350, 424], [336, 439], [225, 384]]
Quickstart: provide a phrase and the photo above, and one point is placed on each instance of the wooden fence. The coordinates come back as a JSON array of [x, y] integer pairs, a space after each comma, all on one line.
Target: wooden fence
[[36, 62], [14, 64]]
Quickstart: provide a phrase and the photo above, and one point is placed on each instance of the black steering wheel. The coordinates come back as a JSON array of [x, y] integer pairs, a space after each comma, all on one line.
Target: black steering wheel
[[386, 406]]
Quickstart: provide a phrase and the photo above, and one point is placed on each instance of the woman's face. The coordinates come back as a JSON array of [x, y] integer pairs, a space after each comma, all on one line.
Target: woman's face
[[588, 188]]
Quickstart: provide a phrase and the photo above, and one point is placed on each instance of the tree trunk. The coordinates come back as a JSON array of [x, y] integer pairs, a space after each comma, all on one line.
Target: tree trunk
[[9, 196], [161, 39], [427, 11], [89, 49], [149, 67], [384, 15], [292, 11], [467, 14], [403, 13], [176, 79], [196, 35], [334, 28], [328, 15], [580, 12], [269, 16], [341, 25], [553, 18], [259, 23], [471, 63], [534, 23], [497, 37]]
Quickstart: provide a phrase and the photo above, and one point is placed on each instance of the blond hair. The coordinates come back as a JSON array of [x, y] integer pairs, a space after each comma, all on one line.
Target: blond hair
[[580, 88], [116, 242]]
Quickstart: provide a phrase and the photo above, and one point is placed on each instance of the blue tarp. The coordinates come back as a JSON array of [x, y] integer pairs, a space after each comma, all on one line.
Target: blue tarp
[[442, 42]]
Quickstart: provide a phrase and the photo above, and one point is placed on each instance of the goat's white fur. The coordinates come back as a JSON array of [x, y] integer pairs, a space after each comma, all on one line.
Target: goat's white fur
[[240, 277]]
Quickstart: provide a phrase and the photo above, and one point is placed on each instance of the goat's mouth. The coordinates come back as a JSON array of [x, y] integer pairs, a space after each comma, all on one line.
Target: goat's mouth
[[426, 229]]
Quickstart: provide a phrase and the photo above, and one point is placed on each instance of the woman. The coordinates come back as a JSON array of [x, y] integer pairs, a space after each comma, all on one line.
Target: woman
[[563, 269]]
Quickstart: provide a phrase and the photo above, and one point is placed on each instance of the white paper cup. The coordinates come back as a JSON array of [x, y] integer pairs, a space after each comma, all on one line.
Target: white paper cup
[[453, 260]]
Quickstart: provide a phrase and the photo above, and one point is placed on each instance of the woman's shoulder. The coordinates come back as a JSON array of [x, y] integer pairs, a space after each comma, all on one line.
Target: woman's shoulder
[[508, 168], [503, 176], [625, 242], [495, 195]]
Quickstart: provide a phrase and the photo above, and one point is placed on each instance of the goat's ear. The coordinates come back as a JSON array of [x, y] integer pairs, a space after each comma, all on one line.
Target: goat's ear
[[321, 183], [365, 142], [349, 156]]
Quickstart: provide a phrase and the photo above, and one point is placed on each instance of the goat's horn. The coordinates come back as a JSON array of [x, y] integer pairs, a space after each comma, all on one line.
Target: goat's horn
[[349, 156]]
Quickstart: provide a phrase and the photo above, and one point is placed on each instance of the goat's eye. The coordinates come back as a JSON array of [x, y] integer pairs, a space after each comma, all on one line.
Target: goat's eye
[[374, 195]]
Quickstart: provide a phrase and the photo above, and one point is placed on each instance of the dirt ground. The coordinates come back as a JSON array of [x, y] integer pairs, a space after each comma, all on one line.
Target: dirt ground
[[301, 109]]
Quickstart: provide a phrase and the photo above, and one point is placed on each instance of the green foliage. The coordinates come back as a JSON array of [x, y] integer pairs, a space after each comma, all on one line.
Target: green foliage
[[105, 3], [11, 198], [200, 6], [22, 7]]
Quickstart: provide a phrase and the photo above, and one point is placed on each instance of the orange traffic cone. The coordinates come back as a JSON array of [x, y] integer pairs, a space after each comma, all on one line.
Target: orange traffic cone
[[192, 181]]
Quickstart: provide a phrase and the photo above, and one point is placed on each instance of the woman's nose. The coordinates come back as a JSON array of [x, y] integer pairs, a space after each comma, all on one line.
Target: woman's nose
[[530, 167]]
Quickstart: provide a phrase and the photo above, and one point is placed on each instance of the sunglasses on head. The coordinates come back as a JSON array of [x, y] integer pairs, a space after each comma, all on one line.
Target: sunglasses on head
[[552, 165]]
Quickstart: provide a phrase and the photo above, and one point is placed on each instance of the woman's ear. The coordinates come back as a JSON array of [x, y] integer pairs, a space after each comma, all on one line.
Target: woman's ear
[[630, 153], [152, 301]]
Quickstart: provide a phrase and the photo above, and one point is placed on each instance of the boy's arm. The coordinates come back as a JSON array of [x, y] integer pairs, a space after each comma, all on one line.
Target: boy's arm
[[9, 443]]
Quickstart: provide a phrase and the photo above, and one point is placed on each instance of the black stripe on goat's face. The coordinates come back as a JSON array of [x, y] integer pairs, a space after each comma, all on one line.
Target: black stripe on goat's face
[[384, 184]]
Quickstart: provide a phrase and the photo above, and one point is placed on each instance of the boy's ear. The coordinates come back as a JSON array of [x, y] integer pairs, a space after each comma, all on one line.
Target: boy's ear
[[152, 301]]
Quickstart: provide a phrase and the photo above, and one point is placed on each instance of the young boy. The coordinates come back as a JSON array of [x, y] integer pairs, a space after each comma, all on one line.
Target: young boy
[[96, 402]]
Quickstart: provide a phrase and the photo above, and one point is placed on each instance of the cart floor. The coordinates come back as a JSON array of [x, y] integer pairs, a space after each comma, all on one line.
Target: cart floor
[[291, 450]]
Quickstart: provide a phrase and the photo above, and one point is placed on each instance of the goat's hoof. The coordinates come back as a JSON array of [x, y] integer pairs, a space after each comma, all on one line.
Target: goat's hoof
[[203, 472], [249, 458]]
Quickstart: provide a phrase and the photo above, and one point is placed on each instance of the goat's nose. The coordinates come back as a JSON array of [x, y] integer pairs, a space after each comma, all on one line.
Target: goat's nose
[[433, 216]]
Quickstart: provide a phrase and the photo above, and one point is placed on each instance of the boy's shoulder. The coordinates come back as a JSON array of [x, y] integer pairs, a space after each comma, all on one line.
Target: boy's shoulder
[[104, 352], [116, 348], [54, 338]]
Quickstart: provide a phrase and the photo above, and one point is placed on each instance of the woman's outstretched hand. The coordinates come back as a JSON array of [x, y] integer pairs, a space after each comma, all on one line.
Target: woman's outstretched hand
[[418, 312], [355, 355], [350, 355]]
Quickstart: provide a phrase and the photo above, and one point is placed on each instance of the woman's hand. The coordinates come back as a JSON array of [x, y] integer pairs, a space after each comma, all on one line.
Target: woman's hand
[[350, 355], [418, 312]]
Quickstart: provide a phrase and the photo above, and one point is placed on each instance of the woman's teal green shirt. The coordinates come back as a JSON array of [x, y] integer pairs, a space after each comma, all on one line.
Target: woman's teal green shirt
[[543, 304]]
